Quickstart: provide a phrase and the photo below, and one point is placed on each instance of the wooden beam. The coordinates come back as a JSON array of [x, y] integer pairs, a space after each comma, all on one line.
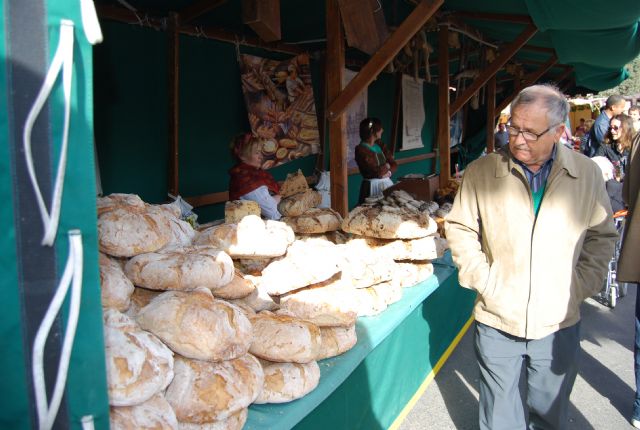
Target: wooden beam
[[531, 79], [503, 17], [198, 9], [338, 128], [491, 113], [173, 81], [397, 106], [444, 117], [493, 68], [538, 49], [396, 41]]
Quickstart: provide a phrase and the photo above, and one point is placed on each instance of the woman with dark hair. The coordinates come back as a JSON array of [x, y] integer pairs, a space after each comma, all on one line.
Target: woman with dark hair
[[374, 160], [617, 143]]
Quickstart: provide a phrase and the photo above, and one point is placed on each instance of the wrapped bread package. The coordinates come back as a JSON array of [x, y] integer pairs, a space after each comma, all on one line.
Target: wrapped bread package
[[306, 263], [154, 414], [181, 268], [282, 338], [195, 325], [298, 204], [235, 210], [250, 238], [314, 221], [139, 366], [115, 287], [337, 340], [284, 382], [203, 392]]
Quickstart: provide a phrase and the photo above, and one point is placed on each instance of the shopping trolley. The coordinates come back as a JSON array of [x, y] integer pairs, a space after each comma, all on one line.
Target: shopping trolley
[[613, 290]]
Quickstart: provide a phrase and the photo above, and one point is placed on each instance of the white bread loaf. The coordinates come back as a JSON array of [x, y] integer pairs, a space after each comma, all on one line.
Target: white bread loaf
[[234, 422], [115, 287], [259, 300], [139, 299], [118, 200], [321, 305], [294, 183], [388, 222], [250, 238], [154, 414], [239, 287], [314, 220], [362, 267], [203, 392], [368, 302], [235, 210], [337, 340], [139, 366], [298, 204], [170, 210], [284, 339], [390, 292], [182, 234], [284, 382], [306, 263], [410, 273], [181, 268], [195, 325], [424, 248], [128, 231]]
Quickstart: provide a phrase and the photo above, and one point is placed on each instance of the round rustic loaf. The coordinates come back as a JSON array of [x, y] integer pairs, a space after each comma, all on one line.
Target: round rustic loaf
[[234, 422], [139, 299], [410, 273], [362, 267], [425, 248], [181, 268], [138, 365], [195, 325], [298, 204], [130, 230], [293, 184], [154, 414], [202, 392], [314, 220], [118, 200], [283, 338], [250, 238], [388, 222], [115, 287], [284, 382], [337, 340]]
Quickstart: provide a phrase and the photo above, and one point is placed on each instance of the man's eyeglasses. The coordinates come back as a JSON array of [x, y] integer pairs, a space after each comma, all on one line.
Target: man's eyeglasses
[[528, 135]]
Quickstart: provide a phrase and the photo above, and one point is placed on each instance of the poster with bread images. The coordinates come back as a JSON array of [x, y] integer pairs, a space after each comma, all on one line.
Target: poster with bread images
[[281, 108]]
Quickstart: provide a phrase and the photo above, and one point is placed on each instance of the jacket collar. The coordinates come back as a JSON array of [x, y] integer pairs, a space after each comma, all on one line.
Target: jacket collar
[[505, 162]]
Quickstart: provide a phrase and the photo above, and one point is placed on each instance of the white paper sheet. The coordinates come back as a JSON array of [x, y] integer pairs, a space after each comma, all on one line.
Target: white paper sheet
[[412, 113]]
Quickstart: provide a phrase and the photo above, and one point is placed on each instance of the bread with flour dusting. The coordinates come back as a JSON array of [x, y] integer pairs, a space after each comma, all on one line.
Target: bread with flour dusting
[[154, 414]]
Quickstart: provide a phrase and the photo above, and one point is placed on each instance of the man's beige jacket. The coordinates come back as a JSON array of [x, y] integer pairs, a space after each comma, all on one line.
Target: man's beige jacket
[[531, 274]]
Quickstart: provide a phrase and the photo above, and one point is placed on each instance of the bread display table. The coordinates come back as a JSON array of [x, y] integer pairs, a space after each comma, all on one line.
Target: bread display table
[[368, 386]]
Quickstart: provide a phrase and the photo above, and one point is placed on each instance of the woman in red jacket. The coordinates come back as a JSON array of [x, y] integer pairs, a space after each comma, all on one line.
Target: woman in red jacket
[[374, 160]]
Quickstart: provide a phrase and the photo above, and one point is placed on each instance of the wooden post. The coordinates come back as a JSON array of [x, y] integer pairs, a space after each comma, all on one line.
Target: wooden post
[[493, 68], [397, 106], [337, 128], [444, 117], [414, 22], [491, 113], [173, 79]]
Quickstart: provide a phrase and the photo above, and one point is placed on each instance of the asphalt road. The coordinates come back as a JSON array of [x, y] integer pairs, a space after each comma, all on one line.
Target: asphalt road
[[602, 396]]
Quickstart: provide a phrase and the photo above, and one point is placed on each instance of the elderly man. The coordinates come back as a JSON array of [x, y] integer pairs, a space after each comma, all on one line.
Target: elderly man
[[531, 231]]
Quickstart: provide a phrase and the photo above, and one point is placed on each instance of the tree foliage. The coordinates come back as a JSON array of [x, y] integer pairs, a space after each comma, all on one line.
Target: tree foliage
[[631, 85]]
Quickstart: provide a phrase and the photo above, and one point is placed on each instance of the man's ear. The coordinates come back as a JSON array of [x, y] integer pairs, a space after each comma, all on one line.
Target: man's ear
[[559, 130]]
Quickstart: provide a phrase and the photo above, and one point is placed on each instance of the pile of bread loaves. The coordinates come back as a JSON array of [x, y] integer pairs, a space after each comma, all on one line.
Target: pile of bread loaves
[[201, 324]]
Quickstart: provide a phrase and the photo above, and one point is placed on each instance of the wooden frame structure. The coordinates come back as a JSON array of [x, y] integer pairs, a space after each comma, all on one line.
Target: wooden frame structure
[[337, 98]]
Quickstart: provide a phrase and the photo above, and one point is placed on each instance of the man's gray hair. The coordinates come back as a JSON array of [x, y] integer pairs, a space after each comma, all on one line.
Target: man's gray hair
[[547, 95]]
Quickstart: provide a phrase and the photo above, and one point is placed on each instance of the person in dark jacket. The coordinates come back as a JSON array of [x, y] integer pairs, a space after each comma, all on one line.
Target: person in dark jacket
[[374, 160], [613, 106]]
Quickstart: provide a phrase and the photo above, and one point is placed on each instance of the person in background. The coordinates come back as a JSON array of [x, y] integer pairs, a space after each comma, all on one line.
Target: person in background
[[614, 188], [614, 105], [248, 181], [530, 289], [501, 137], [581, 129], [628, 269], [617, 143], [375, 161], [634, 113]]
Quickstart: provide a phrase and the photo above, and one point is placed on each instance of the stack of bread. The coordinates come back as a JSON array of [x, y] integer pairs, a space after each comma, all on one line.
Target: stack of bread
[[299, 208]]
